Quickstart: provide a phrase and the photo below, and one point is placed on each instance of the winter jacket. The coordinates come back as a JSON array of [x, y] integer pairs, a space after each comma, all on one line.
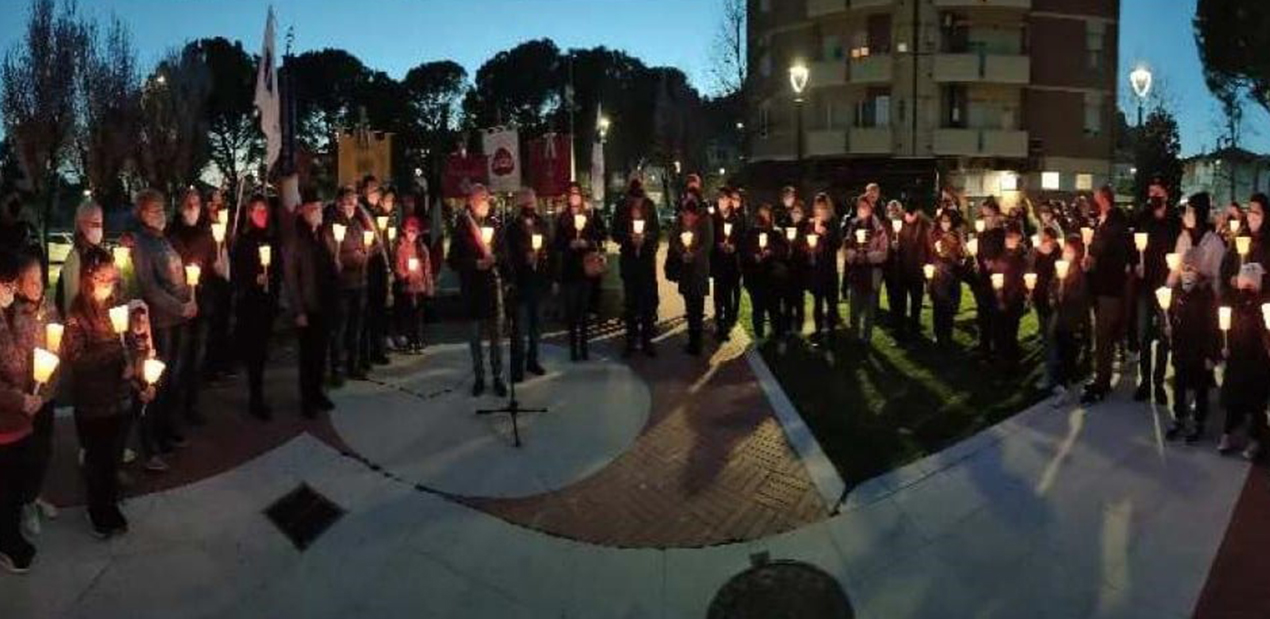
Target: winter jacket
[[160, 274], [309, 270]]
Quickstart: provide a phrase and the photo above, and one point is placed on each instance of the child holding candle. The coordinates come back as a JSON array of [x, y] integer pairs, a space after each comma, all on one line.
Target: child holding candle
[[691, 238], [1068, 326], [948, 257], [414, 283], [1196, 342], [764, 272], [725, 262], [867, 246], [256, 288], [638, 232], [823, 265], [18, 406], [102, 390]]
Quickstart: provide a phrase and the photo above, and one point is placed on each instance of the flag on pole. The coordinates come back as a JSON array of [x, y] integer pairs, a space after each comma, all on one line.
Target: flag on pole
[[267, 100], [597, 160]]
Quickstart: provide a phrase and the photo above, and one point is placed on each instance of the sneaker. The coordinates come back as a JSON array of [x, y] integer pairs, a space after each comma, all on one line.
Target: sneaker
[[129, 456], [500, 389], [1143, 393], [31, 521], [48, 510], [1225, 445], [155, 465], [18, 560], [478, 388], [1252, 451]]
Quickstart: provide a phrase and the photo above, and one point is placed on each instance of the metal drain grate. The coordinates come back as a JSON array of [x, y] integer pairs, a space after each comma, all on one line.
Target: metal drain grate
[[303, 515], [781, 589]]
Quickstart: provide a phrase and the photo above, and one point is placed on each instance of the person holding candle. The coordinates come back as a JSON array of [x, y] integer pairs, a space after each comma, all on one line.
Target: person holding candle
[[1198, 233], [1161, 228], [1042, 259], [255, 292], [893, 281], [1196, 342], [948, 256], [867, 244], [102, 389], [579, 238], [1068, 326], [312, 287], [89, 231], [794, 299], [350, 254], [822, 242], [1245, 389], [1010, 297], [18, 406], [374, 337], [214, 296], [474, 253], [763, 269], [191, 237], [637, 231], [985, 248], [1106, 262], [691, 238], [725, 261], [528, 263], [160, 274], [414, 283], [912, 253]]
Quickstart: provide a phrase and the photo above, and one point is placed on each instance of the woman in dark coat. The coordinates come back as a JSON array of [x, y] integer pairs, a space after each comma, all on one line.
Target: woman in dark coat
[[576, 245], [1196, 343], [1011, 297], [764, 270], [475, 258], [256, 289], [948, 255], [794, 301], [1246, 385], [725, 262], [690, 240], [638, 263], [1069, 324], [822, 267]]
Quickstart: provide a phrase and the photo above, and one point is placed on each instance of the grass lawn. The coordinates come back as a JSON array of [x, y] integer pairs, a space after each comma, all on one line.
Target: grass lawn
[[873, 411]]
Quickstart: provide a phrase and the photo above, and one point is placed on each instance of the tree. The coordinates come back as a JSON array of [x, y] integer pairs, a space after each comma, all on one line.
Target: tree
[[521, 86], [728, 53], [328, 84], [1157, 151], [172, 149], [109, 113], [38, 96], [435, 91], [235, 142], [1233, 36]]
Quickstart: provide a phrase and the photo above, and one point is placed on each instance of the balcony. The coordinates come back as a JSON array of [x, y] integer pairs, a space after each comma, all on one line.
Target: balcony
[[1001, 4], [819, 8], [870, 141], [981, 143], [827, 73], [983, 68], [874, 69], [824, 142]]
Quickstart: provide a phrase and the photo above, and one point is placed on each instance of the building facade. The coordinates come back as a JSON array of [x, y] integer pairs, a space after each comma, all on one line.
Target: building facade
[[1229, 174], [986, 97]]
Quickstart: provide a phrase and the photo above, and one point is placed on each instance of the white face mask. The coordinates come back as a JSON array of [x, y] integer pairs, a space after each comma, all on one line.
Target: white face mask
[[189, 216], [6, 297], [1069, 256], [945, 226], [1188, 219], [93, 235], [788, 202]]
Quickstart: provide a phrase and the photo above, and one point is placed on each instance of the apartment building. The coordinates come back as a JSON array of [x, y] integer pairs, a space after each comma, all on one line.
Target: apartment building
[[988, 97]]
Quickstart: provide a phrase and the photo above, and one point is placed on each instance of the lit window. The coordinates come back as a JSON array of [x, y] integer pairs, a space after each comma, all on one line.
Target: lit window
[[1009, 182], [1084, 182], [1050, 181]]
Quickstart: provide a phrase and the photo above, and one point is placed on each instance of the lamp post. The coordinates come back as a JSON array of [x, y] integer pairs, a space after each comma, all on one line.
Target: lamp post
[[798, 76], [1140, 80]]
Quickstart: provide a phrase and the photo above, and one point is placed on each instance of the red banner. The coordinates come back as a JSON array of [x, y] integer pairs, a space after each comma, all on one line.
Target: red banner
[[550, 162], [461, 172]]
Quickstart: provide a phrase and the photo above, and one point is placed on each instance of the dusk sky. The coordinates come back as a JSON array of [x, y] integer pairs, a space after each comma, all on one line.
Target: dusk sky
[[394, 35]]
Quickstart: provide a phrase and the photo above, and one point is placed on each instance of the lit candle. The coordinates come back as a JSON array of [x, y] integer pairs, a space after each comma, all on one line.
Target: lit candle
[[972, 247], [368, 238], [412, 264], [939, 247], [487, 235], [151, 370], [535, 241], [45, 363], [1140, 240], [998, 281], [192, 273], [762, 240], [1164, 297], [861, 235], [1029, 280], [122, 255], [1234, 225], [1061, 267], [1223, 317], [897, 224], [218, 232], [119, 319], [638, 226], [980, 225], [266, 256], [222, 217], [1087, 235], [392, 234], [790, 233], [1243, 245], [813, 240], [929, 271], [1173, 261], [727, 229], [382, 222], [685, 237], [1036, 240], [53, 336], [339, 231], [579, 222], [1265, 314]]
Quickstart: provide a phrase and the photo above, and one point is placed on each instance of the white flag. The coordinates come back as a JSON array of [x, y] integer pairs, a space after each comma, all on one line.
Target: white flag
[[267, 100], [597, 162], [502, 149]]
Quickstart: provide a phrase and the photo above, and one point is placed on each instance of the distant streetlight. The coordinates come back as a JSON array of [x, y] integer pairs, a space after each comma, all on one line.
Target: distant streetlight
[[799, 74], [603, 126], [1140, 80]]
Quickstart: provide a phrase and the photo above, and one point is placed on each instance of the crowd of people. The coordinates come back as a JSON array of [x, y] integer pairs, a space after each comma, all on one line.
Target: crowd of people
[[134, 330]]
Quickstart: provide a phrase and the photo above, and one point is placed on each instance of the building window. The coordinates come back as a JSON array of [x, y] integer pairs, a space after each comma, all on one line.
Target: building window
[[1084, 182], [1093, 113], [765, 64], [1095, 33], [1051, 181], [874, 110], [831, 47]]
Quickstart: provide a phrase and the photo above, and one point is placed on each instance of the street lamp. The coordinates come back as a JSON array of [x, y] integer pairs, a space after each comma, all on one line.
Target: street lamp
[[1140, 80], [798, 76], [603, 126]]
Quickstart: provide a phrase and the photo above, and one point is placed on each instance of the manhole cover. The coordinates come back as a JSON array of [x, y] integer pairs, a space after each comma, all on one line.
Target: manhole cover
[[781, 590], [303, 515]]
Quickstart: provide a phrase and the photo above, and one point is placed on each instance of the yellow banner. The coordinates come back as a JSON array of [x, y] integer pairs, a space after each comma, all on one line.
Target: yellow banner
[[363, 153]]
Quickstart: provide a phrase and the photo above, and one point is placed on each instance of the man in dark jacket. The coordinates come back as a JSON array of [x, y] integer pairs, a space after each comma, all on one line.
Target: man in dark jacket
[[1161, 227], [373, 347], [990, 245], [348, 226], [912, 255], [191, 236], [309, 267], [690, 240], [1106, 262], [638, 244], [529, 269], [474, 256], [725, 263]]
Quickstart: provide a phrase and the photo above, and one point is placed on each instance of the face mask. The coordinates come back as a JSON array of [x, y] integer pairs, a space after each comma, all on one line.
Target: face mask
[[93, 235], [788, 202], [102, 293], [190, 216], [945, 226], [1188, 280], [6, 297], [1069, 256]]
